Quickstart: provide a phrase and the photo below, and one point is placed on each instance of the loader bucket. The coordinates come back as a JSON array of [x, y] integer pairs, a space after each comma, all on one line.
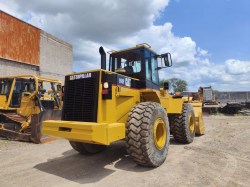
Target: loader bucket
[[200, 129], [36, 123]]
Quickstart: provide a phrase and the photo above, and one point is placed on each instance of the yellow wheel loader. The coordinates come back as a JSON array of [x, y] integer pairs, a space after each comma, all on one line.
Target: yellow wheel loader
[[127, 103], [25, 101]]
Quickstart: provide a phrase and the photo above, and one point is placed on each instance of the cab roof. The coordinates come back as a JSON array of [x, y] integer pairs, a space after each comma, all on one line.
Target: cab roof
[[32, 76], [138, 46]]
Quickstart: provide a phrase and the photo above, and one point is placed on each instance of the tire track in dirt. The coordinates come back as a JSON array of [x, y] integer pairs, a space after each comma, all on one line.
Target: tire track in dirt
[[227, 172]]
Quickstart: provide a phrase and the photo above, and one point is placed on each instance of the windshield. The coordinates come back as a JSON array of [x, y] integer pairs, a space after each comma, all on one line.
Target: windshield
[[127, 63]]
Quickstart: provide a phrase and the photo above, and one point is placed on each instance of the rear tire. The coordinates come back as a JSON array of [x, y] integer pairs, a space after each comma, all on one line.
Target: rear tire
[[147, 134], [183, 125], [85, 148], [171, 126]]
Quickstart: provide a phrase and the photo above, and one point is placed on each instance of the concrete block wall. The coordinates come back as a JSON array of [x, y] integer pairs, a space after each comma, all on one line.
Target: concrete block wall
[[55, 57], [10, 68]]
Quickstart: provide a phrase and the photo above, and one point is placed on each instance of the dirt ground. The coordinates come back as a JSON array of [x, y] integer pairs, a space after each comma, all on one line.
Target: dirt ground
[[219, 158]]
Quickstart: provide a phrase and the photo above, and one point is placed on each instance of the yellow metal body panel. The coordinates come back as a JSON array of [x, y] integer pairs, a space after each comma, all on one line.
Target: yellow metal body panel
[[170, 104], [28, 106], [114, 110], [97, 133], [3, 101], [112, 114], [111, 118], [173, 106]]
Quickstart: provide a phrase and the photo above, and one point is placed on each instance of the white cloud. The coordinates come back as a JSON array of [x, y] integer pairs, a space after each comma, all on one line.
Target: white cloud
[[212, 74], [119, 24], [202, 52], [237, 67], [103, 21], [111, 23], [163, 40]]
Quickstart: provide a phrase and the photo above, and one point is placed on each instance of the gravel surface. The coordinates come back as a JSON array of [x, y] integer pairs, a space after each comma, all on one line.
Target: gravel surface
[[219, 158]]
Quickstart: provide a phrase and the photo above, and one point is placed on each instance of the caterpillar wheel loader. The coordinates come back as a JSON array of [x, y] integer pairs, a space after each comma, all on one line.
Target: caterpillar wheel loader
[[25, 101], [127, 103]]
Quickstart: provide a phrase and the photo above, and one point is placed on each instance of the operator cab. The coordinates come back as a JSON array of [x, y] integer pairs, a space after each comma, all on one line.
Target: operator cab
[[25, 86], [139, 62]]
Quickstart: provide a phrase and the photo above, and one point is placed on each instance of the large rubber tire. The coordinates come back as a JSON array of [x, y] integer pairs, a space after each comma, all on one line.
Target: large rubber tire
[[171, 124], [85, 148], [183, 125], [147, 134]]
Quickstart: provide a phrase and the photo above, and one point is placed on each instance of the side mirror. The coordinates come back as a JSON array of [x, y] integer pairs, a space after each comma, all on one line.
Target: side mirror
[[167, 59], [165, 85]]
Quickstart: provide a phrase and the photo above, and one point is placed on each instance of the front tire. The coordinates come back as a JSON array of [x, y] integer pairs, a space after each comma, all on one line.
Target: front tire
[[85, 148], [147, 134]]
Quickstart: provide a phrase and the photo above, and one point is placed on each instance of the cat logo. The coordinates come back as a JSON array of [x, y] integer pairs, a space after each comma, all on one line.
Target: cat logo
[[80, 76]]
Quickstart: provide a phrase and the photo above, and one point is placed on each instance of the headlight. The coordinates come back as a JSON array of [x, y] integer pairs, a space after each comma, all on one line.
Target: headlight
[[106, 85]]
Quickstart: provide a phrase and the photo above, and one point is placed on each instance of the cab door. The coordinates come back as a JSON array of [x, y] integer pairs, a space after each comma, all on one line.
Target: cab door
[[5, 87], [16, 95]]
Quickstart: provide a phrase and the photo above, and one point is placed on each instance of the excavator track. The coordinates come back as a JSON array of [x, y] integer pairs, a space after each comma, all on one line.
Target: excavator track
[[14, 117], [10, 128], [11, 125]]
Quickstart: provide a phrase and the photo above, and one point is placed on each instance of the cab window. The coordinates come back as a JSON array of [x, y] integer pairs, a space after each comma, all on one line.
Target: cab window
[[154, 65], [4, 87], [151, 67], [127, 63]]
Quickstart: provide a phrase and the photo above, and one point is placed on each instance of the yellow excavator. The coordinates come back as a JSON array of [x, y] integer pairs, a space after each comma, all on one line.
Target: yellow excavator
[[25, 101], [127, 103]]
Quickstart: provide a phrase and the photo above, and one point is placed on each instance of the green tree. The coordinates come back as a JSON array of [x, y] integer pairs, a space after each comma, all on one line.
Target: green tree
[[175, 84]]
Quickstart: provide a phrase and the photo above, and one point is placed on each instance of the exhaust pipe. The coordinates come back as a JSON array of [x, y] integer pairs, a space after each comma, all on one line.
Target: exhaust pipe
[[103, 58]]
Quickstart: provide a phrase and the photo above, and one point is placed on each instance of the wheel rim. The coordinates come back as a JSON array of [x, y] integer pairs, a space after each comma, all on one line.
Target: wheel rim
[[191, 124], [160, 133]]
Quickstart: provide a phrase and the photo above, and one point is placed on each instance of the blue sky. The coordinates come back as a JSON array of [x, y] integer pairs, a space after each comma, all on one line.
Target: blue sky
[[221, 27], [209, 40]]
